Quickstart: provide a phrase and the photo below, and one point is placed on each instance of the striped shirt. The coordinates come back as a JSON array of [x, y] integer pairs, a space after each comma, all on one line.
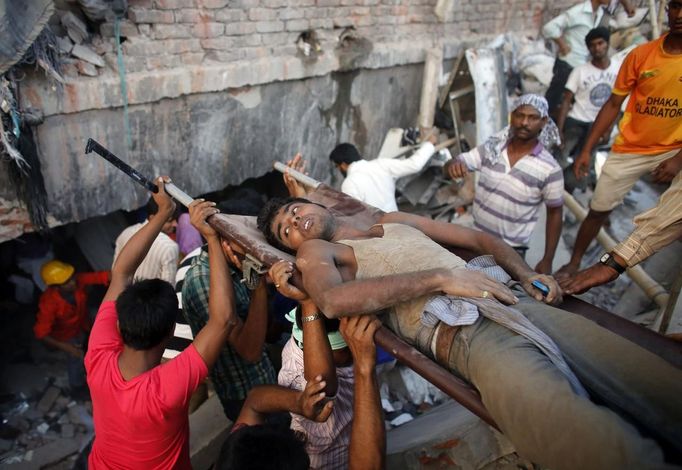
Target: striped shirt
[[508, 198], [232, 376], [161, 261], [182, 335], [326, 443]]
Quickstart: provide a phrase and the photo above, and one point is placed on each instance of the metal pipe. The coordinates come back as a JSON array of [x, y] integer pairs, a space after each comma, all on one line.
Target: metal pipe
[[650, 287], [653, 17], [461, 391], [297, 175]]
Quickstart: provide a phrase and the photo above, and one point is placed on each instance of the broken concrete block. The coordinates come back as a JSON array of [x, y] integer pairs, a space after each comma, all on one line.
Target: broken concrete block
[[34, 414], [60, 404], [5, 445], [46, 454], [75, 27], [42, 428], [86, 68], [68, 431], [65, 45], [79, 415], [87, 54], [48, 399]]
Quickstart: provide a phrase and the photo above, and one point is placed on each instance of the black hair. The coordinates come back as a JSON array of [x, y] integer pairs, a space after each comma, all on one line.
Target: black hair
[[263, 446], [599, 32], [345, 153], [268, 213], [152, 208], [146, 313]]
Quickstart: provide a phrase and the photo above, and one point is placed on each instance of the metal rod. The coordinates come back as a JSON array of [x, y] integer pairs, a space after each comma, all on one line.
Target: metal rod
[[175, 192], [461, 391], [297, 175]]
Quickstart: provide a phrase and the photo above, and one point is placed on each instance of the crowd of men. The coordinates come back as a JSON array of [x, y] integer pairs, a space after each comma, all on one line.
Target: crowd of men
[[566, 392]]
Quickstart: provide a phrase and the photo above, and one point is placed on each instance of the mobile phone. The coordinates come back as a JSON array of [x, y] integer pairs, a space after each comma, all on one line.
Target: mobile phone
[[541, 287]]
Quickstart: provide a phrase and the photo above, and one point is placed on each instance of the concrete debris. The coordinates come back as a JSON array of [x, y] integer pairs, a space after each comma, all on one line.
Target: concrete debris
[[401, 419], [68, 431], [87, 54], [43, 428], [48, 399], [86, 68], [5, 445], [65, 44], [75, 27]]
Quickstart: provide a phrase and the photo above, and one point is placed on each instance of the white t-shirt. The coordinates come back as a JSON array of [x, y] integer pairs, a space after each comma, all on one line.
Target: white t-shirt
[[373, 181], [591, 87]]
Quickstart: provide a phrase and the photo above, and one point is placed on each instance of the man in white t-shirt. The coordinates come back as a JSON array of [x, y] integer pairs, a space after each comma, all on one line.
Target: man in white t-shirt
[[373, 181], [587, 89], [162, 259]]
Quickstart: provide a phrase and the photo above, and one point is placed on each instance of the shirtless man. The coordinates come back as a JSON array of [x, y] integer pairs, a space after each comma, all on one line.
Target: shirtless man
[[398, 267]]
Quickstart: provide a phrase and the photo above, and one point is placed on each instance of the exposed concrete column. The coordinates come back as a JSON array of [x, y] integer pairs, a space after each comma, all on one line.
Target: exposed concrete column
[[429, 96]]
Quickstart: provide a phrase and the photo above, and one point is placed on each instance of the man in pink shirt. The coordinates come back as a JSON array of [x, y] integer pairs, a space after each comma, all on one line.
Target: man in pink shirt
[[140, 406]]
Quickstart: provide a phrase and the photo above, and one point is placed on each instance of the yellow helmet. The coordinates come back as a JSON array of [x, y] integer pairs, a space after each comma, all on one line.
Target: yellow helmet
[[56, 272]]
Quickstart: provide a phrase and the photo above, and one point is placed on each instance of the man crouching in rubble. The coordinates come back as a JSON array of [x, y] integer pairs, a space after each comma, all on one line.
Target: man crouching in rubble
[[457, 315], [140, 406]]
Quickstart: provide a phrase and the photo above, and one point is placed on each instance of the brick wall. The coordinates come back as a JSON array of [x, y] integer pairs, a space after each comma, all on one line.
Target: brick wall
[[172, 33]]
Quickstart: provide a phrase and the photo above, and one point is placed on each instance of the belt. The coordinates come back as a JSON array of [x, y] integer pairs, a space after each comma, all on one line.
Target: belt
[[445, 335]]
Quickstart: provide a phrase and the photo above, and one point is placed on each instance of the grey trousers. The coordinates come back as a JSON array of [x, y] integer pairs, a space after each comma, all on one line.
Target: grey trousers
[[534, 405]]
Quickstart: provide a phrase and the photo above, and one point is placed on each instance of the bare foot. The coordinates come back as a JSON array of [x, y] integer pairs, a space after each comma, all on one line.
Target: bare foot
[[566, 271], [595, 275]]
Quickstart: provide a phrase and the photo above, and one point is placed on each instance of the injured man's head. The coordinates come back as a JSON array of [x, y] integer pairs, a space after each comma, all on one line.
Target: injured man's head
[[287, 223]]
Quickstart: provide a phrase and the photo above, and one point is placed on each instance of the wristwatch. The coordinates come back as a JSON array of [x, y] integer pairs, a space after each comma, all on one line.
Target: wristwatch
[[607, 260]]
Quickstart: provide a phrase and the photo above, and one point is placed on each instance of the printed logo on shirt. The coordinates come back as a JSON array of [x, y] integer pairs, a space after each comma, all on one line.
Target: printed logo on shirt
[[648, 74], [659, 106], [600, 94]]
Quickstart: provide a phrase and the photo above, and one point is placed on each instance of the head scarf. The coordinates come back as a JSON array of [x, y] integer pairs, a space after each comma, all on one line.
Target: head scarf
[[335, 339], [549, 136]]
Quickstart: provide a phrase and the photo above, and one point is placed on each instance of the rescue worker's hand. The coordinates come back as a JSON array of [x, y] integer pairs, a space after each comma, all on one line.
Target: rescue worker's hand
[[295, 188], [581, 166], [467, 283], [310, 404], [281, 273], [161, 198], [199, 211], [666, 171], [232, 252], [455, 169], [358, 332], [554, 297]]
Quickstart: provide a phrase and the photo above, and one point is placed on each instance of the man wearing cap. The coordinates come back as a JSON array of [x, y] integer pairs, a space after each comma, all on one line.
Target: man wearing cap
[[517, 175], [62, 318]]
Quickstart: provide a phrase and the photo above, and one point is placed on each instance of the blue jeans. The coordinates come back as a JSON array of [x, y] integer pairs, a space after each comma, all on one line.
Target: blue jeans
[[74, 365], [534, 405]]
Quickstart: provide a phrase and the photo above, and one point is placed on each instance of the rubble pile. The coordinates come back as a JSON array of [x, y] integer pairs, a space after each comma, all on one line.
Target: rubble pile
[[44, 427], [81, 53]]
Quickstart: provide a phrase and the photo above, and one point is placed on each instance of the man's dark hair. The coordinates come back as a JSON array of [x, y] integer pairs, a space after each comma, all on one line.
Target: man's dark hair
[[268, 213], [152, 208], [345, 153], [146, 313], [599, 32], [263, 446]]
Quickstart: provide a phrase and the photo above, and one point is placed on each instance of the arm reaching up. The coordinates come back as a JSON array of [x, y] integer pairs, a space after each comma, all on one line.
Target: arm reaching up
[[368, 436], [222, 316], [138, 246]]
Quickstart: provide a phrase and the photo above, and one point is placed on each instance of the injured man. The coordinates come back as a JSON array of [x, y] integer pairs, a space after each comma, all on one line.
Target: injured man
[[532, 364]]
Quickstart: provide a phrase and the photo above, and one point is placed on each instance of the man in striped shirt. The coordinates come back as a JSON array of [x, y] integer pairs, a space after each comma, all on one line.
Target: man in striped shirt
[[517, 174]]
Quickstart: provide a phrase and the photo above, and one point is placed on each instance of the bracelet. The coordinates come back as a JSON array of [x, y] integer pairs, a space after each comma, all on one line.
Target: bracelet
[[313, 317]]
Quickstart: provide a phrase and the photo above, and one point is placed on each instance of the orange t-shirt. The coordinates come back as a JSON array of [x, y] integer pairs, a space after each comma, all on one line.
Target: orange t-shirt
[[652, 122]]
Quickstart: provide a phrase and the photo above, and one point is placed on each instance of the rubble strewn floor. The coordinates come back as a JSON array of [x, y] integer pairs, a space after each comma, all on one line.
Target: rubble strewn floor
[[42, 426]]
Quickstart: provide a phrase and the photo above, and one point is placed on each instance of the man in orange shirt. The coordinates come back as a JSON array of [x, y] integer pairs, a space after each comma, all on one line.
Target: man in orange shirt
[[62, 318], [650, 141]]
